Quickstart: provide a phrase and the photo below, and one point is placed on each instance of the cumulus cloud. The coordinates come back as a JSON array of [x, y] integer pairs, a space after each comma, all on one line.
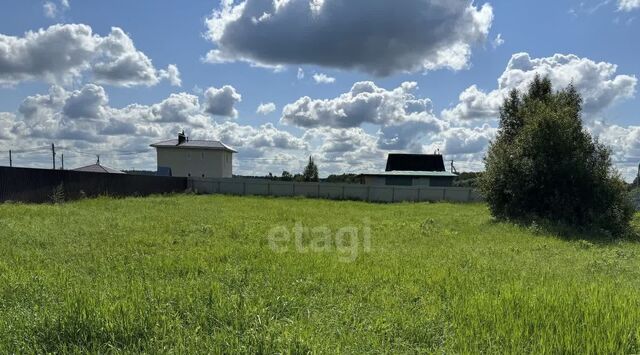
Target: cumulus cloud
[[221, 102], [321, 78], [402, 117], [61, 54], [300, 74], [265, 136], [628, 5], [463, 140], [88, 102], [6, 124], [364, 103], [265, 109], [598, 83], [172, 74], [83, 121], [378, 36], [345, 150], [624, 143]]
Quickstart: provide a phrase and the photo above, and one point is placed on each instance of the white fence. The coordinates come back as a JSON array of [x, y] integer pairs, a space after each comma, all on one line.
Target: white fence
[[356, 192]]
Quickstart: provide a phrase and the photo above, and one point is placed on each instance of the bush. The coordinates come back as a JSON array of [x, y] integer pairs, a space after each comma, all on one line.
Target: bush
[[545, 165]]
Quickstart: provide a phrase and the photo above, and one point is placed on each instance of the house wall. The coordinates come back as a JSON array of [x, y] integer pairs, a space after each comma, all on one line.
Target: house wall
[[200, 163], [375, 180], [435, 181]]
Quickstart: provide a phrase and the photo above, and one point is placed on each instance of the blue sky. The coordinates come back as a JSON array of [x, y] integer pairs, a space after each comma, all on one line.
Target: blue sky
[[344, 130]]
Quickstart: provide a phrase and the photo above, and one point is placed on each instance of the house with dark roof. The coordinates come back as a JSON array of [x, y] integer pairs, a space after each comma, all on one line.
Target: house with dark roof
[[412, 170], [194, 158], [98, 168]]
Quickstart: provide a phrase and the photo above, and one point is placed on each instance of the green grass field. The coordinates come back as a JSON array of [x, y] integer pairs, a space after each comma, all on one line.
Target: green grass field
[[191, 274]]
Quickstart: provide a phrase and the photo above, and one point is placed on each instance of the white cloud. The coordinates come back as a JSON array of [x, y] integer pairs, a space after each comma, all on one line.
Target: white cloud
[[628, 5], [463, 140], [221, 102], [172, 74], [83, 121], [50, 9], [624, 143], [345, 150], [6, 124], [380, 36], [300, 74], [598, 83], [264, 136], [62, 54], [364, 103], [402, 117], [322, 78], [498, 41], [265, 109]]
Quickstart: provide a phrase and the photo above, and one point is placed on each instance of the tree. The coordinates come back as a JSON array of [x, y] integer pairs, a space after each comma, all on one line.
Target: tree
[[310, 173], [544, 165], [286, 176]]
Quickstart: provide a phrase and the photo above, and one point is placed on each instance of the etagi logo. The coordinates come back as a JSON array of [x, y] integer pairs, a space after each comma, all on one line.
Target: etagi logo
[[346, 241]]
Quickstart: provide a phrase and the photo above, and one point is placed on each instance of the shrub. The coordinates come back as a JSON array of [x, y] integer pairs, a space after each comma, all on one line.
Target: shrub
[[58, 194], [545, 165]]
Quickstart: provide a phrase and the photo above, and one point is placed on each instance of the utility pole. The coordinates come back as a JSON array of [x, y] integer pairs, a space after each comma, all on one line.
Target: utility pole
[[53, 155], [62, 158], [10, 160]]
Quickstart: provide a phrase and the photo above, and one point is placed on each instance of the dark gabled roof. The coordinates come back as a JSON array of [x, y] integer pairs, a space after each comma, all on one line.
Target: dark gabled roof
[[97, 168], [415, 162], [194, 144]]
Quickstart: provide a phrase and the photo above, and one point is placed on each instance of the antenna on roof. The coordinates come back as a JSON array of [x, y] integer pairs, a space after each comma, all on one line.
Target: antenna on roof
[[453, 168], [98, 156]]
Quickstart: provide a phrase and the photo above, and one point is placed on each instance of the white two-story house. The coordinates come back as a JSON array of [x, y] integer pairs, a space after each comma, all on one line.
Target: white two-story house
[[194, 158]]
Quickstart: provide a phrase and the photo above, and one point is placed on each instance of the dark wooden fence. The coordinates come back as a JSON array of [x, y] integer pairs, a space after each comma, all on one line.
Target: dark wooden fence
[[42, 185]]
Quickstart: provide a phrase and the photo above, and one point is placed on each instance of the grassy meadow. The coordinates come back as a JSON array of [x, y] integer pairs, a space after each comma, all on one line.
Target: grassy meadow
[[212, 274]]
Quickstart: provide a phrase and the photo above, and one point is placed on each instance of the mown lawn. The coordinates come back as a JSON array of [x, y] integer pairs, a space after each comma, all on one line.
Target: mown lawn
[[191, 274]]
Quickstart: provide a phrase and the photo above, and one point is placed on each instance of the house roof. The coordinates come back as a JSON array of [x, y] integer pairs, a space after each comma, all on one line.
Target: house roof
[[414, 173], [194, 144], [415, 162], [97, 168]]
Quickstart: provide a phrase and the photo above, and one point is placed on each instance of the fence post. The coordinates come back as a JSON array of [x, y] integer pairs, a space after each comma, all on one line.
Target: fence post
[[268, 188], [244, 188], [368, 193], [318, 190], [343, 192], [469, 198], [219, 187], [444, 194]]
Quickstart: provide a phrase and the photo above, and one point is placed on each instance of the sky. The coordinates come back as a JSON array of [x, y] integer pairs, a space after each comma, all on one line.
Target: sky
[[344, 81]]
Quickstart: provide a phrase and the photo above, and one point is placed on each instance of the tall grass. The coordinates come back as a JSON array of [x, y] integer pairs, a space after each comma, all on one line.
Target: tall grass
[[192, 274]]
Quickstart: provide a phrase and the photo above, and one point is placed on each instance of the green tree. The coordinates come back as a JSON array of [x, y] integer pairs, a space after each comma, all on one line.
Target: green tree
[[286, 176], [310, 173], [545, 165]]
